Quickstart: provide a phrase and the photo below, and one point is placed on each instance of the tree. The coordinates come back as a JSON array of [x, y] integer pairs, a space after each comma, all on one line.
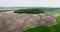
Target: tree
[[31, 11]]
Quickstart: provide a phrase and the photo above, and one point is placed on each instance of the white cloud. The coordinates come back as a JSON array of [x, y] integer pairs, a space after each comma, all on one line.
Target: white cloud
[[29, 3]]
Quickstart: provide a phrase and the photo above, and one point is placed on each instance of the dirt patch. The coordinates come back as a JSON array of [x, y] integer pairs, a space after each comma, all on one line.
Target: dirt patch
[[12, 22]]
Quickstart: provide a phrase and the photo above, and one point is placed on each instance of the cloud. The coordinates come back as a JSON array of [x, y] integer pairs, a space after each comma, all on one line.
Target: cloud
[[29, 3]]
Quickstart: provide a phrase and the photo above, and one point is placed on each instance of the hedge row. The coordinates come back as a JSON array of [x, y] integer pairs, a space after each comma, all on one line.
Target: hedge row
[[32, 11]]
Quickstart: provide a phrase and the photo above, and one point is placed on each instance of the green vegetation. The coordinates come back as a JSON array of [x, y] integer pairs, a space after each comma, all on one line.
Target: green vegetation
[[56, 12], [55, 28], [58, 20], [40, 29], [31, 11]]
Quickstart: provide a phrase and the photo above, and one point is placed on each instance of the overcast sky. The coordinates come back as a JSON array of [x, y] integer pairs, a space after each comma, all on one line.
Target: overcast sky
[[29, 3]]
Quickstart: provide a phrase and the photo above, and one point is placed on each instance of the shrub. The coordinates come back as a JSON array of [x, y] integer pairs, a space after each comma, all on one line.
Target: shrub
[[33, 11]]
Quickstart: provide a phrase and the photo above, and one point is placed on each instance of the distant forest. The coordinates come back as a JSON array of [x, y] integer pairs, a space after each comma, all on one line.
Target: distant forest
[[15, 8]]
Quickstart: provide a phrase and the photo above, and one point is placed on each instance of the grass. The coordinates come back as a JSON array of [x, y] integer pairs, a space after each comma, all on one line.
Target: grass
[[55, 28], [41, 29], [58, 20], [56, 12]]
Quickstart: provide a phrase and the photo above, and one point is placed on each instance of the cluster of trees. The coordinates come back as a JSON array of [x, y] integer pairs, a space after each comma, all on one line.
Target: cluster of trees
[[32, 11]]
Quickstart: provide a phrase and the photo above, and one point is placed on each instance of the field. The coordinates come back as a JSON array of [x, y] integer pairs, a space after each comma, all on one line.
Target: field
[[55, 12], [55, 28]]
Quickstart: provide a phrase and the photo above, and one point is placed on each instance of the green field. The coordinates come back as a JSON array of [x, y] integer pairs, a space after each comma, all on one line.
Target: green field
[[56, 12], [55, 28]]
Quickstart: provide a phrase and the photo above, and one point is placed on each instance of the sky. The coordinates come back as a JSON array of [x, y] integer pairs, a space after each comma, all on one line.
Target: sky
[[29, 3]]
